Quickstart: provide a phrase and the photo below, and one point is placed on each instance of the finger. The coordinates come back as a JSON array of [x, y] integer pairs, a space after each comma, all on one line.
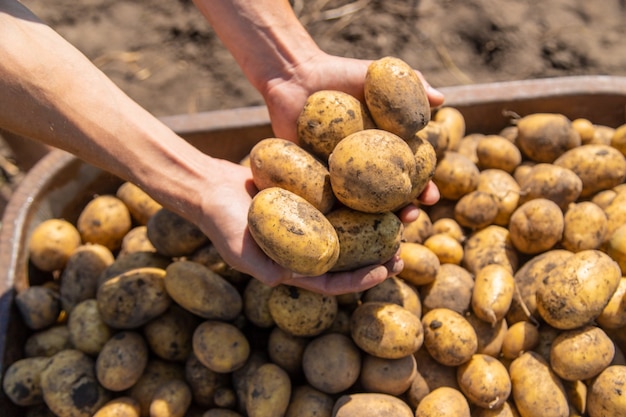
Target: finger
[[408, 213], [430, 195], [435, 97]]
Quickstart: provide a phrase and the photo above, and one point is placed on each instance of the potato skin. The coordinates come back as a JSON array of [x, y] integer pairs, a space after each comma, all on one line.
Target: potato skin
[[420, 263], [52, 243], [443, 401], [550, 181], [455, 175], [364, 238], [374, 171], [121, 361], [449, 337], [371, 405], [281, 163], [387, 376], [171, 399], [268, 392], [104, 220], [584, 226], [306, 401], [220, 346], [331, 363], [140, 205], [536, 226], [301, 312], [493, 292], [606, 393], [485, 381], [396, 97], [88, 330], [543, 137], [39, 306], [292, 232]]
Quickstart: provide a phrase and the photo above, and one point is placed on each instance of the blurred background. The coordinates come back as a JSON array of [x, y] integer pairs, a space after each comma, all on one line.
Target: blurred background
[[166, 57]]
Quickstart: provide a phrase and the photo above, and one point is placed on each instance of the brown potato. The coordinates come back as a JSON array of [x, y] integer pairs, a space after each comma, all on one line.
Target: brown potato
[[301, 312], [371, 405], [276, 162], [268, 392], [129, 261], [286, 350], [157, 373], [606, 393], [173, 235], [51, 244], [492, 293], [496, 152], [387, 376], [104, 220], [449, 337], [220, 346], [121, 361], [455, 175], [21, 382], [88, 330], [582, 353], [504, 189], [365, 178], [331, 363], [396, 97], [255, 303], [204, 383], [452, 288], [536, 226], [476, 210], [306, 401], [169, 335], [386, 330], [420, 263], [485, 381], [305, 241], [364, 238], [327, 117], [543, 137], [434, 373], [39, 306], [491, 245], [140, 205]]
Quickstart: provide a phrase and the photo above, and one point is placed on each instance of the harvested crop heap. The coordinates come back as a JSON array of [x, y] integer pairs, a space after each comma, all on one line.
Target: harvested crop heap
[[510, 302]]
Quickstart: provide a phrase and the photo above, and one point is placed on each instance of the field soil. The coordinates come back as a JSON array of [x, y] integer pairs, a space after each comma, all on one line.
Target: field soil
[[165, 56]]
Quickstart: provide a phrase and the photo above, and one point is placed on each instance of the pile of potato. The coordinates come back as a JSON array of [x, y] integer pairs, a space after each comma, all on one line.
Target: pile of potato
[[511, 302]]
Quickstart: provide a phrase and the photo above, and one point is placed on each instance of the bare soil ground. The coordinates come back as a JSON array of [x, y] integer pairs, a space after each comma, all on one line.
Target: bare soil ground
[[167, 58]]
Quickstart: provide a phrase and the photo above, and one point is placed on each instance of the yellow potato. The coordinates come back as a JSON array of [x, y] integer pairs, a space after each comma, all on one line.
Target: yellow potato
[[327, 117], [365, 178], [536, 226], [255, 298], [169, 335], [140, 205], [492, 293], [468, 145], [550, 181], [173, 235], [613, 316], [451, 227], [443, 401], [220, 346], [371, 405], [618, 140], [616, 247], [268, 393], [585, 129], [286, 350], [436, 134], [455, 175], [136, 240], [387, 376], [454, 122], [504, 189], [490, 337], [447, 248], [364, 238], [306, 401], [121, 361], [395, 290], [584, 226], [452, 288], [128, 261], [331, 363], [119, 407], [576, 292], [476, 210], [51, 244], [496, 152], [276, 162], [425, 158], [104, 220], [292, 232], [420, 263], [449, 337], [491, 245], [485, 381], [543, 137], [396, 97], [418, 230], [606, 393], [521, 337], [535, 389], [386, 330]]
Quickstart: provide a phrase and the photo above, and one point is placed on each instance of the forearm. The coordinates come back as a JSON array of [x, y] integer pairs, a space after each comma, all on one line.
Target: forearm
[[50, 92]]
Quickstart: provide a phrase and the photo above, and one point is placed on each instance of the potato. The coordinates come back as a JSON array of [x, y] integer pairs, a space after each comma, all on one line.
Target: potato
[[468, 144], [606, 393], [255, 303], [225, 398], [79, 279], [448, 336], [51, 244], [451, 227], [157, 373], [615, 214], [434, 373], [21, 381], [505, 410], [418, 230], [371, 405], [169, 335], [585, 129], [585, 226], [133, 298], [496, 152], [492, 293], [121, 361], [327, 117], [286, 350], [425, 158], [201, 291], [365, 178], [88, 330], [387, 376], [543, 137], [104, 220], [208, 256], [119, 407], [455, 175], [491, 245], [581, 353], [416, 391], [268, 393], [204, 383], [490, 337], [613, 315], [504, 189], [447, 248], [364, 238], [386, 330], [220, 346], [436, 134], [521, 337], [616, 247], [276, 162], [396, 97], [69, 385], [599, 167], [39, 306], [47, 342], [618, 140], [420, 264], [140, 205], [306, 401], [577, 291], [292, 232], [331, 363], [443, 401], [128, 261], [553, 182], [136, 240], [576, 392], [171, 399], [395, 290], [485, 381], [452, 288], [301, 312], [221, 412], [173, 235], [536, 226], [527, 280], [535, 389], [476, 210], [454, 122]]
